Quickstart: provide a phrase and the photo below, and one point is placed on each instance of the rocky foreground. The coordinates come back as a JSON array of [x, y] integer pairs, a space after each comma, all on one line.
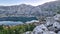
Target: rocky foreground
[[52, 26]]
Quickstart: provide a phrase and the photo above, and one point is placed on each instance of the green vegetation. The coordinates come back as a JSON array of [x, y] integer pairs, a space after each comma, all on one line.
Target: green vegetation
[[18, 29]]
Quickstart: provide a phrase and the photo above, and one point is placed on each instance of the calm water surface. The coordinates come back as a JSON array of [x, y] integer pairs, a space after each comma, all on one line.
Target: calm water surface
[[15, 20]]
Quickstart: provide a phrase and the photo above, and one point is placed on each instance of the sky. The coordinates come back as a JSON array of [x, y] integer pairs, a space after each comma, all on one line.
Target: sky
[[28, 2]]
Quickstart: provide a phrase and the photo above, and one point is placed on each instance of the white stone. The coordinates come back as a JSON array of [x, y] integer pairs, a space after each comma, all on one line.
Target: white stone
[[56, 17], [56, 24], [39, 29], [49, 21], [49, 32], [28, 32]]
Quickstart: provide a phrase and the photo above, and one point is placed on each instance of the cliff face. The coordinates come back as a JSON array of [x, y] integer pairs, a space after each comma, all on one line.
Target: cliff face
[[47, 9]]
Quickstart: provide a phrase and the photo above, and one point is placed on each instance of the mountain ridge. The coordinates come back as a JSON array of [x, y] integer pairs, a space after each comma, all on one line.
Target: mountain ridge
[[46, 9]]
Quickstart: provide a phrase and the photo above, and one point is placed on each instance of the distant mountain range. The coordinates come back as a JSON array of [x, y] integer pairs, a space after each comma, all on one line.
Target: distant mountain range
[[47, 9]]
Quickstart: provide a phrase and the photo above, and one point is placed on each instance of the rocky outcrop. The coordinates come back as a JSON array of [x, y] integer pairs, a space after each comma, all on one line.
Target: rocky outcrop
[[40, 29], [50, 27]]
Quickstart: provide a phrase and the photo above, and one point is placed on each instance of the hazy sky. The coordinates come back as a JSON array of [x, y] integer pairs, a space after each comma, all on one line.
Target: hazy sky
[[17, 2]]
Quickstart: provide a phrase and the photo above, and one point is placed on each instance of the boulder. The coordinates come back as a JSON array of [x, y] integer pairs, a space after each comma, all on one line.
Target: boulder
[[56, 25], [49, 32], [49, 21], [40, 29]]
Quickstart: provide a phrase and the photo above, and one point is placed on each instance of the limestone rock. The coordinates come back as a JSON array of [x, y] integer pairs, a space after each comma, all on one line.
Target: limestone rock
[[40, 29]]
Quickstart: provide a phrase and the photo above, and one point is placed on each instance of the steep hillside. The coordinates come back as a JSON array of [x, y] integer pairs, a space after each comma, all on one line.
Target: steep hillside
[[50, 7], [47, 9]]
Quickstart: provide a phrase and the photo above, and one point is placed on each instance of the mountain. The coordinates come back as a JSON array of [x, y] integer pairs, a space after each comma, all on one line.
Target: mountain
[[47, 9], [17, 10], [51, 6]]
